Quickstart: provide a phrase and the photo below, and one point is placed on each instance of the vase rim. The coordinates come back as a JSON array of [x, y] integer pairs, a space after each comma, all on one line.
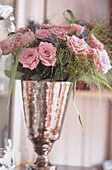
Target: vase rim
[[47, 81]]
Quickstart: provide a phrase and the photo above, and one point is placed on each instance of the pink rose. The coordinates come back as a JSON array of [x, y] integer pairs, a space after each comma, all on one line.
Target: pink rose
[[76, 45], [47, 53], [11, 43], [44, 26], [42, 33], [29, 58], [75, 28], [65, 26], [101, 61], [59, 32], [94, 43]]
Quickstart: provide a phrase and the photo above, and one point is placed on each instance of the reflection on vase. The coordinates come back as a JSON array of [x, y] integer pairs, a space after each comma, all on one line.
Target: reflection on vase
[[44, 109]]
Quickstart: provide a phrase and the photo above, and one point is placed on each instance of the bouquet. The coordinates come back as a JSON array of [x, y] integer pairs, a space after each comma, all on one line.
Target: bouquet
[[45, 52]]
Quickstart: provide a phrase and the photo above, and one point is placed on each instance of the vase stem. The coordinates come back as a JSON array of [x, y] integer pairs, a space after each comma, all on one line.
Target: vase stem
[[42, 161]]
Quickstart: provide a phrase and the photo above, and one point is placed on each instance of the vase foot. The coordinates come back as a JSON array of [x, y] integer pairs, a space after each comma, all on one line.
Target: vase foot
[[34, 167]]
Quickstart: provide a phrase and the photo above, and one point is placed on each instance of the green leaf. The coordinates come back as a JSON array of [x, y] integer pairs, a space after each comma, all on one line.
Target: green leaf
[[71, 15], [79, 117], [35, 77], [11, 33], [8, 73], [17, 76], [74, 89], [106, 84], [9, 62], [14, 73]]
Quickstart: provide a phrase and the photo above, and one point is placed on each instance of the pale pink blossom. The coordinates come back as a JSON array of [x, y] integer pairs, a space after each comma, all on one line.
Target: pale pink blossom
[[21, 30], [12, 43], [42, 33], [28, 37], [48, 26], [47, 54], [89, 52], [29, 58], [95, 43], [76, 45], [59, 32], [75, 28], [64, 26], [101, 61]]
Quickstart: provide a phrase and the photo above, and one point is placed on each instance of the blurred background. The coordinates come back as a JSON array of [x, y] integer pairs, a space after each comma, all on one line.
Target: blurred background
[[4, 81], [73, 148]]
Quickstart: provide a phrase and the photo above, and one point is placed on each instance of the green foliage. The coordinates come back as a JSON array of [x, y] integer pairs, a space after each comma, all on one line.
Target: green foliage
[[17, 76]]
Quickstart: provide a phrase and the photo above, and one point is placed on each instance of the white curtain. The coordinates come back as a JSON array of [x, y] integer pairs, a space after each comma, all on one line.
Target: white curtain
[[73, 148]]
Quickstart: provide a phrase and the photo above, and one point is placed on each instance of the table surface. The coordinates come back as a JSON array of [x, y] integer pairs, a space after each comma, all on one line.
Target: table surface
[[63, 167]]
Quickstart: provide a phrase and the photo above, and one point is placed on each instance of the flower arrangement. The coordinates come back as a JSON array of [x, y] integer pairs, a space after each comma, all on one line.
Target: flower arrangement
[[46, 52]]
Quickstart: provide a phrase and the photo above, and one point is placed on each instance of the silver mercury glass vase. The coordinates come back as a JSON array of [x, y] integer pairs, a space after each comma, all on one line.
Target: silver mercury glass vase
[[44, 110]]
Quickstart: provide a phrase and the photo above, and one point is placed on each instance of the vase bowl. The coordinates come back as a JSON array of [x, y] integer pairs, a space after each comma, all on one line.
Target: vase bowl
[[45, 105]]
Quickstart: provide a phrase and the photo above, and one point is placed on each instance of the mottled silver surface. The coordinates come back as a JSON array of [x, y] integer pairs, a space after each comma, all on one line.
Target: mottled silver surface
[[44, 109]]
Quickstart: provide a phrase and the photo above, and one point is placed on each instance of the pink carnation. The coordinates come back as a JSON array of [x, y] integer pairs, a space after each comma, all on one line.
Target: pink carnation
[[59, 32], [75, 28], [21, 30], [64, 26], [29, 58], [28, 37], [94, 43], [89, 52], [76, 45], [11, 44], [47, 53], [42, 33], [101, 61]]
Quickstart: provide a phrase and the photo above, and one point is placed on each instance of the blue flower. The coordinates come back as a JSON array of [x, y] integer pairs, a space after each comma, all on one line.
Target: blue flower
[[51, 39]]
